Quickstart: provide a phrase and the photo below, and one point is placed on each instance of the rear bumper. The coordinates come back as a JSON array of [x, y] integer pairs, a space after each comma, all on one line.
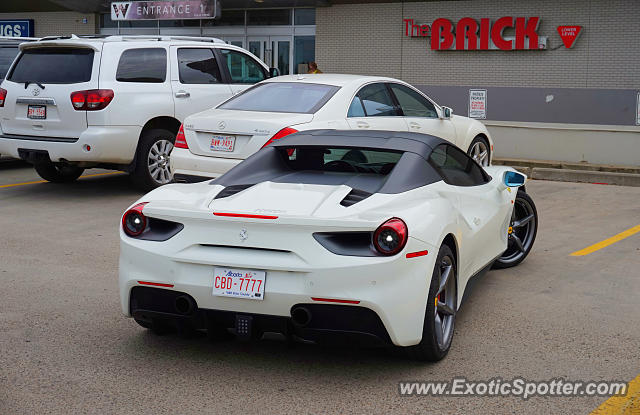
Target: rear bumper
[[185, 164], [327, 323], [114, 144]]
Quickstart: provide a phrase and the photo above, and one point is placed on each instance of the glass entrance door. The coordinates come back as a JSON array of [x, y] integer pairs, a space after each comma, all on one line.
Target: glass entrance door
[[275, 51]]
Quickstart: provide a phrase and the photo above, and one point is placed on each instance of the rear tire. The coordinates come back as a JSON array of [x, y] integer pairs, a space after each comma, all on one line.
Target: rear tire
[[440, 316], [57, 173], [152, 160]]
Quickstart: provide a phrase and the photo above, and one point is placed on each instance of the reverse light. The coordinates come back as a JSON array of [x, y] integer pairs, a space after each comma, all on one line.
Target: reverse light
[[391, 237], [133, 221], [3, 96], [91, 99], [181, 140], [281, 134]]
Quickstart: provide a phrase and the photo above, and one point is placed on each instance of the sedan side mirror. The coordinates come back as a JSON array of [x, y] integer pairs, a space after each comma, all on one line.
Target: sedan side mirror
[[446, 113], [273, 72], [513, 179]]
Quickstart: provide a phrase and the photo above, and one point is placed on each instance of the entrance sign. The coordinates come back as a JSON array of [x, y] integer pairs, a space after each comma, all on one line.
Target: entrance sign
[[478, 103], [164, 10], [569, 34]]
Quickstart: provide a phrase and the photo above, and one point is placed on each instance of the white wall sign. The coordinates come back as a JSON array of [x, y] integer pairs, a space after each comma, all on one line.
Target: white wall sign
[[478, 103]]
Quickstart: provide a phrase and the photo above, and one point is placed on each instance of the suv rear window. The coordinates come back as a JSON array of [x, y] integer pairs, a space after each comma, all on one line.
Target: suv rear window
[[7, 55], [142, 65], [53, 66], [292, 97]]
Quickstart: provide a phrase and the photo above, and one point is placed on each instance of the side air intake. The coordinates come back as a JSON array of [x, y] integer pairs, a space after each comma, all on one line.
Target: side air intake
[[354, 196], [232, 190]]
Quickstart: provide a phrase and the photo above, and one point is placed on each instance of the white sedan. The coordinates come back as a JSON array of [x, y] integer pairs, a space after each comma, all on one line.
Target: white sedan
[[213, 141], [365, 237]]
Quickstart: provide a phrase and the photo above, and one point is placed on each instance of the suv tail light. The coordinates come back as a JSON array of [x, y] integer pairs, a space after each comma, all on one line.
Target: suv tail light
[[91, 100], [391, 237], [181, 140], [133, 221], [3, 96], [280, 134]]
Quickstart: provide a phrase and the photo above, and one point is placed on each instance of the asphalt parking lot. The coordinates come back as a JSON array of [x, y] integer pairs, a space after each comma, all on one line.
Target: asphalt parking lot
[[66, 348]]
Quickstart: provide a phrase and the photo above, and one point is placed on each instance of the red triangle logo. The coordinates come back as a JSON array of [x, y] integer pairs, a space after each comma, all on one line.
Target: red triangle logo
[[569, 34]]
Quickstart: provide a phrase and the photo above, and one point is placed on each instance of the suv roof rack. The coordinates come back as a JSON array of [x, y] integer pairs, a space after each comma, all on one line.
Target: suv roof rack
[[115, 38]]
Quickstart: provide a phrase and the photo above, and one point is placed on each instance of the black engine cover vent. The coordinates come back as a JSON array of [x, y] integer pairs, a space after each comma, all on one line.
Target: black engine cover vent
[[232, 190], [354, 196]]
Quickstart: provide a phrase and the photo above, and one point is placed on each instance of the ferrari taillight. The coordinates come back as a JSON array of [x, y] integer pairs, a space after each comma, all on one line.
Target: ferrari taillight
[[391, 237], [181, 140], [280, 134], [133, 221]]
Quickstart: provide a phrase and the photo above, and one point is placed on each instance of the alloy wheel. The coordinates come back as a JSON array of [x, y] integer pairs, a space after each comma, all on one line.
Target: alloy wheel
[[480, 153], [521, 232], [445, 303], [158, 161]]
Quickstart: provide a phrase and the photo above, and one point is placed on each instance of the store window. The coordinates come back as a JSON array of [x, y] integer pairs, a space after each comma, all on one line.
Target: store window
[[269, 17], [243, 68], [304, 17], [180, 23], [142, 65], [198, 66], [227, 18], [304, 52]]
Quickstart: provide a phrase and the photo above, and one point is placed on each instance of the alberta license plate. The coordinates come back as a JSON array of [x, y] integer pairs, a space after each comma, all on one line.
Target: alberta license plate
[[37, 112], [239, 283], [222, 143]]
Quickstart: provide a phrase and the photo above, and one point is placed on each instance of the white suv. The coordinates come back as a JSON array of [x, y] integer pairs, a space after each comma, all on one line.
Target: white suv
[[115, 102]]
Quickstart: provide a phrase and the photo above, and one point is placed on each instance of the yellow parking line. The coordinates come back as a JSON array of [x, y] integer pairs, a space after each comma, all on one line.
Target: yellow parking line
[[622, 405], [44, 181], [603, 244]]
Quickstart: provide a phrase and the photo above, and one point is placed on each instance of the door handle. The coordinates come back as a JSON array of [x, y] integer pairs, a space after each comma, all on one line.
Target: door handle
[[182, 94], [414, 125], [362, 124]]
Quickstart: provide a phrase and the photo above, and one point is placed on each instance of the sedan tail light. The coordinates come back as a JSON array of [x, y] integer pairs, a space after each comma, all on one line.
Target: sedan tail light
[[391, 237], [281, 134], [91, 100], [133, 221], [3, 96], [181, 140]]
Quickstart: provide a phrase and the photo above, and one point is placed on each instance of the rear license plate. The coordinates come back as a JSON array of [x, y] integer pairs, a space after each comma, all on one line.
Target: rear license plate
[[222, 143], [239, 283], [37, 112]]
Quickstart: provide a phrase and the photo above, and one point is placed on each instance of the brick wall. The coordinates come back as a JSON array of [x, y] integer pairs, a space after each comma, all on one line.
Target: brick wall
[[57, 23], [369, 39]]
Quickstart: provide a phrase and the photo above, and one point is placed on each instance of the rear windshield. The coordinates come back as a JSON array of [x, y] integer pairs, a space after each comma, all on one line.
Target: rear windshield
[[301, 98], [7, 55], [53, 66], [343, 160]]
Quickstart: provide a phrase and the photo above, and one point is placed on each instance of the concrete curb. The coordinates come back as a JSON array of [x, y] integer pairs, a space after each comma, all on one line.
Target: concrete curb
[[585, 176]]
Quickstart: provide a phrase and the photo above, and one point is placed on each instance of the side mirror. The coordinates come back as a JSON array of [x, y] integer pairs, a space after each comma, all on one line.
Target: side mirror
[[273, 72], [446, 113], [513, 179]]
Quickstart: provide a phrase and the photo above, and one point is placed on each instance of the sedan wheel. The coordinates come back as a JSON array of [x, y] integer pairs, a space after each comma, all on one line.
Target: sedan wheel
[[479, 151], [522, 231], [158, 161]]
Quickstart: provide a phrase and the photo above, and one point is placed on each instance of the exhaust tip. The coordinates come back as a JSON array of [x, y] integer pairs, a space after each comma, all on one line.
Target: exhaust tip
[[184, 305], [300, 316]]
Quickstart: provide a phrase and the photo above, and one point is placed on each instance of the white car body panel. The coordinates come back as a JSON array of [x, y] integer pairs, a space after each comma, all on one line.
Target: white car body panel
[[332, 115]]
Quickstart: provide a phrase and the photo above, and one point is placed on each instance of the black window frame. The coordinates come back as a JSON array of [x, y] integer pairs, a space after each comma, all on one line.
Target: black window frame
[[166, 69], [447, 179], [397, 101], [224, 79], [391, 96]]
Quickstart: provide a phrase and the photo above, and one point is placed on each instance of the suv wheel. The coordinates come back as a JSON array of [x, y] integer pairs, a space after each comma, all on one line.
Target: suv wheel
[[57, 173], [152, 166]]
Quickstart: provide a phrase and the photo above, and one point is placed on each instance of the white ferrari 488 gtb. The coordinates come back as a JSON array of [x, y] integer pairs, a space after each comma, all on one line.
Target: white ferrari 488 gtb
[[366, 237]]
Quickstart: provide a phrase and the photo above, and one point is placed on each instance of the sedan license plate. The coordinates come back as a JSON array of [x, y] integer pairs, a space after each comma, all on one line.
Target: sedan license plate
[[239, 283], [37, 112], [222, 143]]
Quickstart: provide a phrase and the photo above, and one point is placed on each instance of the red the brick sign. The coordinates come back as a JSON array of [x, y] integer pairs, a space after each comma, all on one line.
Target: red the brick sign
[[471, 34]]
